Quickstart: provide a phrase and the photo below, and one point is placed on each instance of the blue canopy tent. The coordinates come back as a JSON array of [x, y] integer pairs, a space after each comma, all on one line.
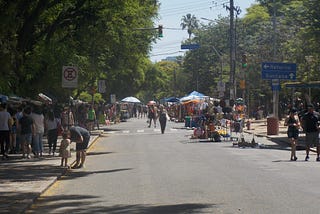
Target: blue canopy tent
[[172, 100], [193, 96], [198, 94]]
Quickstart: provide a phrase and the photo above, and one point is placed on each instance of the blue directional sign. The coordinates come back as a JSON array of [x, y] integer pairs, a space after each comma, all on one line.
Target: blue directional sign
[[190, 46], [276, 70]]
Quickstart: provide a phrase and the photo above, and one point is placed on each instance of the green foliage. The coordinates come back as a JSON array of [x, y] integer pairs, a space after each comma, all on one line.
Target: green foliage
[[86, 97], [111, 40], [189, 22], [296, 36], [256, 14], [99, 37]]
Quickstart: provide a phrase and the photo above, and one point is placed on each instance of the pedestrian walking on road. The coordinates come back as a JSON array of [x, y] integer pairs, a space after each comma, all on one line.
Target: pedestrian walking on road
[[64, 151], [81, 136], [5, 127], [162, 118], [26, 132], [39, 123], [152, 115], [52, 123], [13, 131], [292, 121], [311, 128]]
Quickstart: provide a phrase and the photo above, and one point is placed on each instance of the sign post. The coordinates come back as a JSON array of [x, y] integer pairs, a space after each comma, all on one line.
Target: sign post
[[277, 71], [69, 77]]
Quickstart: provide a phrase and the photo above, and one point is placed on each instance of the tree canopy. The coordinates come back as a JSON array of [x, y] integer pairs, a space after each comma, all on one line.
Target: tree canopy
[[104, 39], [294, 39], [111, 40]]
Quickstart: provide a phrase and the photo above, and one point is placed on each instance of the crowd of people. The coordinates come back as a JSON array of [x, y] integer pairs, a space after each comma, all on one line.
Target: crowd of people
[[23, 127]]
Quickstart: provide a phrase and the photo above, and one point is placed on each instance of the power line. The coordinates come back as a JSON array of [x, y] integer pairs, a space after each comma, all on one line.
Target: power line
[[161, 54], [192, 7]]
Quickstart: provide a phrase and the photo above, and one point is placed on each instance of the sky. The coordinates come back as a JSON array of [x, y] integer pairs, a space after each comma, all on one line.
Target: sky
[[171, 13]]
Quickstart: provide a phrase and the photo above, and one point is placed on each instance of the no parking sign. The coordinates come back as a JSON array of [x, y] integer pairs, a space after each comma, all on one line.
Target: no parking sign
[[69, 77]]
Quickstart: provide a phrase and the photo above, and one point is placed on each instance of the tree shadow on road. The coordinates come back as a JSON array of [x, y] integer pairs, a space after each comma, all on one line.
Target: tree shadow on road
[[80, 173], [98, 153], [92, 204]]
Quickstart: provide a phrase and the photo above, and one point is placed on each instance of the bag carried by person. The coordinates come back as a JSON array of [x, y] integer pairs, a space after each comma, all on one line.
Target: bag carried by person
[[59, 129]]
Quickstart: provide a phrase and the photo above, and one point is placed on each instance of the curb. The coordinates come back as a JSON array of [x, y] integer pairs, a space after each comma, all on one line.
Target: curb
[[52, 182]]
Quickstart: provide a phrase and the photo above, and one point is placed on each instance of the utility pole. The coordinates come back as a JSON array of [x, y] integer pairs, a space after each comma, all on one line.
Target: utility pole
[[275, 92], [232, 52]]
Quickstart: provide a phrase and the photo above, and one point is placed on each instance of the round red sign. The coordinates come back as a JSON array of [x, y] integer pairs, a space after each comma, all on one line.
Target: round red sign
[[70, 74]]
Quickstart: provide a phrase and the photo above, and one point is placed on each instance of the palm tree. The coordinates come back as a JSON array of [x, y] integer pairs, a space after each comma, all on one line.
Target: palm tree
[[189, 22]]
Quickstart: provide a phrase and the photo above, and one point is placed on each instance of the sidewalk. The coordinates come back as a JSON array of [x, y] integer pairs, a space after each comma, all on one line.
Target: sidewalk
[[259, 129], [23, 180]]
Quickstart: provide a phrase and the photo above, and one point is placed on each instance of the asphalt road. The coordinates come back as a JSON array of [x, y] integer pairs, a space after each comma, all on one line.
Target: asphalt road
[[135, 169]]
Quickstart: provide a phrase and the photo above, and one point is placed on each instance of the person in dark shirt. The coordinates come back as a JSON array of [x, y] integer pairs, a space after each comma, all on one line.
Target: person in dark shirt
[[162, 118], [311, 128], [26, 132], [292, 121], [81, 136]]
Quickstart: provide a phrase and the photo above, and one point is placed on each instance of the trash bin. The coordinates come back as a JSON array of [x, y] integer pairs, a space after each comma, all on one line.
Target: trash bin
[[187, 121], [272, 126]]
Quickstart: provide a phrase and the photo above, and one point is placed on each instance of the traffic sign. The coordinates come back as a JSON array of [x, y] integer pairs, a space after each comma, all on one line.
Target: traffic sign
[[275, 70], [102, 86], [69, 77], [190, 46]]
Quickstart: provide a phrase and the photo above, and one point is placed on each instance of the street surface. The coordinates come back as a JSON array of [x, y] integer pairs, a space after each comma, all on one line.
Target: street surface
[[135, 169]]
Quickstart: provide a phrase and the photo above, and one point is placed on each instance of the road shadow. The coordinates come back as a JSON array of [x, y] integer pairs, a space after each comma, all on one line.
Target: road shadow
[[98, 153], [288, 161], [92, 204], [111, 129], [76, 173]]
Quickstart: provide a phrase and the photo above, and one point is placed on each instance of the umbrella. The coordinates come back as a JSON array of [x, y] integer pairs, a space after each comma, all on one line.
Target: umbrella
[[45, 98], [151, 102], [131, 100]]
